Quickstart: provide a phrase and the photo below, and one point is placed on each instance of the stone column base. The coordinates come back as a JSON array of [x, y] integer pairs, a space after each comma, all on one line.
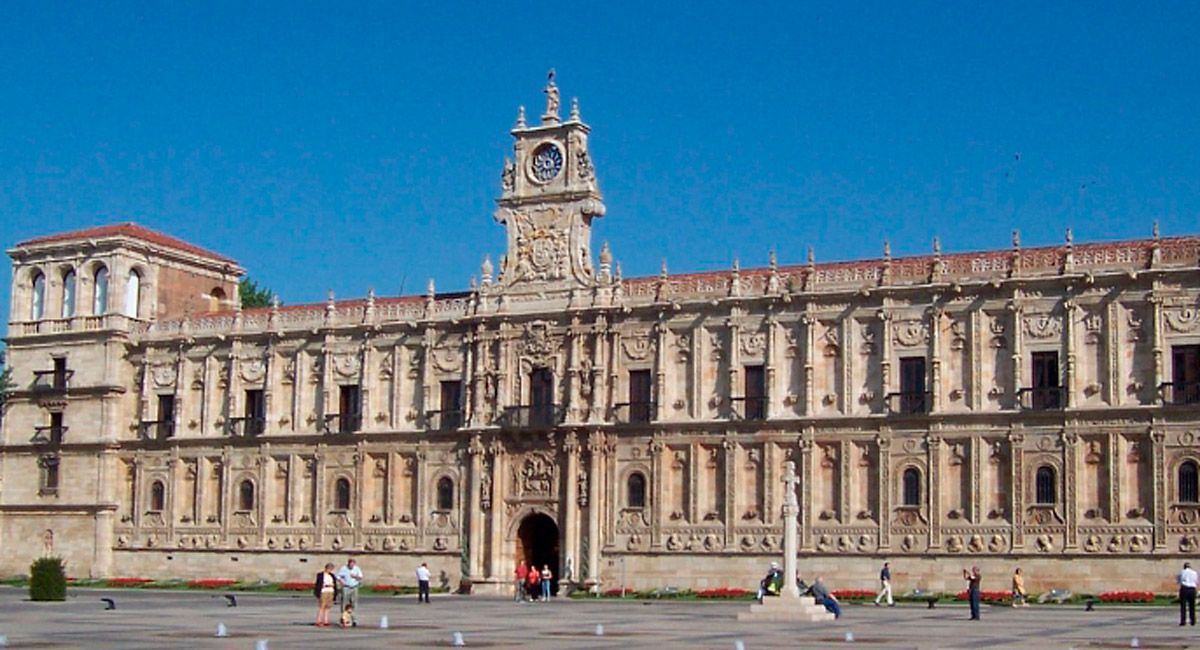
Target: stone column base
[[784, 608]]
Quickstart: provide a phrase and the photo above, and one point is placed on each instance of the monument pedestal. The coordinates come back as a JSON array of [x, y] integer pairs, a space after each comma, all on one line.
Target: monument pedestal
[[787, 608]]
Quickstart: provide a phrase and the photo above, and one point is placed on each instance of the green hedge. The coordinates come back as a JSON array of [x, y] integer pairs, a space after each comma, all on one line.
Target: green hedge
[[48, 579]]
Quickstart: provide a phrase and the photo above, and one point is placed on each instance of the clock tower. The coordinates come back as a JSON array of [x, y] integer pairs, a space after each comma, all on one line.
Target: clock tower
[[548, 200]]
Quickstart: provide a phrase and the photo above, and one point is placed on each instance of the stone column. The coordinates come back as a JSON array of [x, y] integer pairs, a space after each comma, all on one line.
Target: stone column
[[656, 481], [935, 359], [845, 354], [1114, 478], [498, 568], [660, 370], [976, 515], [595, 448], [885, 355], [1156, 325], [1112, 352], [790, 506], [366, 379], [1017, 344], [735, 364], [359, 499], [475, 535], [570, 507], [769, 366]]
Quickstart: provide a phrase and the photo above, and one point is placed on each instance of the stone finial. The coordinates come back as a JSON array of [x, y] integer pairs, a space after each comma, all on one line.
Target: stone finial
[[430, 289], [485, 270], [619, 282], [937, 247], [662, 271], [887, 250], [619, 277], [1155, 248], [1070, 237], [1154, 232], [1016, 240], [605, 262], [772, 277], [275, 303], [575, 110], [473, 284], [330, 308], [520, 117], [369, 311], [772, 260], [735, 279], [812, 257]]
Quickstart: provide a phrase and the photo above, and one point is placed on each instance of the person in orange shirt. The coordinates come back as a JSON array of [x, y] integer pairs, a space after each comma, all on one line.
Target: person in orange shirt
[[533, 583], [522, 574]]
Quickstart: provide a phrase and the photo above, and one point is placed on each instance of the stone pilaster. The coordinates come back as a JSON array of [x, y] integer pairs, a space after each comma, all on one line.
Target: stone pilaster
[[806, 485], [474, 509], [498, 568], [934, 488], [771, 365], [1070, 445], [570, 506], [810, 343], [657, 476], [1016, 495], [1158, 440], [595, 449], [936, 313], [729, 512], [1071, 370], [883, 477]]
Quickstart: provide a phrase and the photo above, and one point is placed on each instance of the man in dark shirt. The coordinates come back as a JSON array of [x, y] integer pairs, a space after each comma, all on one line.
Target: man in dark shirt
[[973, 578], [885, 588], [821, 594]]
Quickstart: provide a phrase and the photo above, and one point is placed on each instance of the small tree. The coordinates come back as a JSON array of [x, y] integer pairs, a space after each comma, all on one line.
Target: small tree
[[253, 296], [48, 579]]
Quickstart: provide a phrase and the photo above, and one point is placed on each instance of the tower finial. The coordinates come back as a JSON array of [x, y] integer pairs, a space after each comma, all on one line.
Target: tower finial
[[1016, 240], [1155, 231], [485, 270], [575, 110], [520, 117], [887, 250]]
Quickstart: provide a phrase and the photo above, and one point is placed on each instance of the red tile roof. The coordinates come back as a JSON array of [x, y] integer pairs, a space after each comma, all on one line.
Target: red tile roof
[[132, 230]]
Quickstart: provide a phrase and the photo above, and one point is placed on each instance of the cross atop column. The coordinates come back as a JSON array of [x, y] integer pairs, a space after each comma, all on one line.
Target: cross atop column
[[790, 480]]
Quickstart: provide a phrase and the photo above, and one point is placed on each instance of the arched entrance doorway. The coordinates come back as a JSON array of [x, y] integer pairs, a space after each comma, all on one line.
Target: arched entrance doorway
[[537, 543]]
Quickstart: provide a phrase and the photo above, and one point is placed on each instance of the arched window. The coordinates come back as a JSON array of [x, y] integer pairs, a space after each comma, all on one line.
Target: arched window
[[68, 295], [635, 490], [912, 487], [37, 306], [341, 494], [216, 298], [158, 496], [1047, 494], [246, 495], [1189, 485], [445, 493], [133, 291], [100, 293]]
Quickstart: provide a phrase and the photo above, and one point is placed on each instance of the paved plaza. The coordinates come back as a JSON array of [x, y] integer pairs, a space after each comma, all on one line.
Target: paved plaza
[[147, 619]]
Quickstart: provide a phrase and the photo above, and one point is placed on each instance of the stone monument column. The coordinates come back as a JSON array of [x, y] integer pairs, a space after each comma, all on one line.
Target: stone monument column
[[791, 508]]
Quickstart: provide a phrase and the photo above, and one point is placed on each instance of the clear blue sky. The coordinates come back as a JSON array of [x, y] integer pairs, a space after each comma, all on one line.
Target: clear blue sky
[[342, 146]]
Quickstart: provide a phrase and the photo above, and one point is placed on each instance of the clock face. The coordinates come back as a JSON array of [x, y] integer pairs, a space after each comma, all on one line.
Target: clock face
[[547, 162]]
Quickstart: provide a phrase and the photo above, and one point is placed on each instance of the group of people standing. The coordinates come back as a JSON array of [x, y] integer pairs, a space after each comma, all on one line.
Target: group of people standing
[[341, 586], [530, 582]]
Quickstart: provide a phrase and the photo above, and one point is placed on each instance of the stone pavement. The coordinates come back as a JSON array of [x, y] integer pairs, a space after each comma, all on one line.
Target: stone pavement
[[147, 619]]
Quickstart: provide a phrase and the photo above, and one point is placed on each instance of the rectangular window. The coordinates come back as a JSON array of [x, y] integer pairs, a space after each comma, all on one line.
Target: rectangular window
[[164, 427], [912, 385], [755, 392], [1045, 392], [451, 405], [60, 373], [541, 397], [640, 391], [56, 427], [1185, 374], [349, 408], [255, 413], [49, 475]]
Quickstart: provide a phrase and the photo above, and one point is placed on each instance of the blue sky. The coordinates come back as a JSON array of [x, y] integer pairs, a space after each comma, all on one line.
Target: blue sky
[[345, 146]]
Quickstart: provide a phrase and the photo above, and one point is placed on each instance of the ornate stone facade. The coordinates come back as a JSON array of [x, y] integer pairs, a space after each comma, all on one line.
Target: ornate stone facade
[[1019, 406]]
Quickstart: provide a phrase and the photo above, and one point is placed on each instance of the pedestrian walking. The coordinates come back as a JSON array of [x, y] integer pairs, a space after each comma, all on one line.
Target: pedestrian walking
[[885, 586], [521, 574], [973, 578], [325, 589], [1187, 593], [533, 583], [423, 576], [1018, 589]]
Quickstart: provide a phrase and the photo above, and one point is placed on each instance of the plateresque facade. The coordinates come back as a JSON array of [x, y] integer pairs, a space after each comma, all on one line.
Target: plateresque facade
[[1031, 406]]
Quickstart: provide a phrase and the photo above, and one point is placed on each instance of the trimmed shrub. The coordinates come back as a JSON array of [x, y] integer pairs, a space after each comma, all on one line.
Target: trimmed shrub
[[48, 579]]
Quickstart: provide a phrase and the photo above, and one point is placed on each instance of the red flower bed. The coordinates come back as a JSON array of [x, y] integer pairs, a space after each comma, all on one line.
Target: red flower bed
[[211, 583], [988, 596], [724, 592], [617, 592], [853, 594], [128, 582], [1127, 597], [383, 589], [296, 586]]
